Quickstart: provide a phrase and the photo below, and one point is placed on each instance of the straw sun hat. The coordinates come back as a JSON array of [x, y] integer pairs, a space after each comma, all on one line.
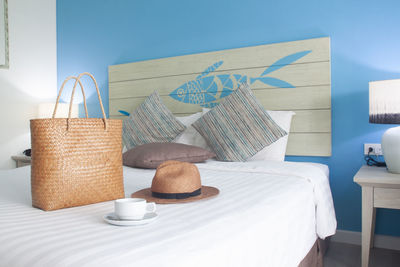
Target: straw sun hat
[[176, 182]]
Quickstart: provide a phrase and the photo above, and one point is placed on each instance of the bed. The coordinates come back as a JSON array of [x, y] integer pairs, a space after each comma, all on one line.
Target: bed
[[268, 213]]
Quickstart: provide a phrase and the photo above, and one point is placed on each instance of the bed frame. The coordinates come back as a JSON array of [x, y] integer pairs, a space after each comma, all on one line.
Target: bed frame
[[284, 76]]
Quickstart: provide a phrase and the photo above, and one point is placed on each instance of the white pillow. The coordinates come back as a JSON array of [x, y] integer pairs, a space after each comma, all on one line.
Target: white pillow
[[277, 150], [190, 135]]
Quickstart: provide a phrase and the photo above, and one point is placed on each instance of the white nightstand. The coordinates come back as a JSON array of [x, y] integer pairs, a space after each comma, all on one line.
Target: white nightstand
[[380, 189], [22, 160]]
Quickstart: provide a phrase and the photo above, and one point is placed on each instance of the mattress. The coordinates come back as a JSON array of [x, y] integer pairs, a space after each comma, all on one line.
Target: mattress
[[264, 210]]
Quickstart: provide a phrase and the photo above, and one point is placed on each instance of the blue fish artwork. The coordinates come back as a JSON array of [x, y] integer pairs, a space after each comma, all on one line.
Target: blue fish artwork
[[206, 89]]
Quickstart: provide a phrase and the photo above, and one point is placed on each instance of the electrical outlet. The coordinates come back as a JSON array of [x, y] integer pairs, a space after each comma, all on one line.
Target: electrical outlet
[[376, 149]]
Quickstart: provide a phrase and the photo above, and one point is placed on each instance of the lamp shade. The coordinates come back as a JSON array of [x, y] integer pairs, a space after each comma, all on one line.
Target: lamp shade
[[45, 110], [384, 102]]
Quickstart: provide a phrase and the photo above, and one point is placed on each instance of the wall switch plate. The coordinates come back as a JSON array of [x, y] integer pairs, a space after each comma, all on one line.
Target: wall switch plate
[[376, 149]]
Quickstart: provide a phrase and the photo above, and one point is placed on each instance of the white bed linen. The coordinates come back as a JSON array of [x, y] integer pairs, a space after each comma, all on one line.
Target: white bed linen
[[265, 210]]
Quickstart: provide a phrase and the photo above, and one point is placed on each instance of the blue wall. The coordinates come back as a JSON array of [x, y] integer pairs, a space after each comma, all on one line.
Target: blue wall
[[365, 43]]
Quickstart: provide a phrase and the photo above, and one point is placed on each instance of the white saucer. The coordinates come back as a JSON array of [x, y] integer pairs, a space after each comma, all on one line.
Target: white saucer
[[111, 218]]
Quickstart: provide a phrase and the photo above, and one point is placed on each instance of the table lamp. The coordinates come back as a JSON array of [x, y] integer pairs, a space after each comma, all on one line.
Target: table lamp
[[384, 108], [45, 110]]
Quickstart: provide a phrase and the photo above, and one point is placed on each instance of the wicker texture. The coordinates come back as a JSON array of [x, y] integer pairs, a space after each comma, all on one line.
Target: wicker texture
[[76, 161]]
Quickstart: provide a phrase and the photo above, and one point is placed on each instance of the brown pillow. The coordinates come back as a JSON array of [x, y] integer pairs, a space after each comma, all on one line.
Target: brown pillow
[[149, 156]]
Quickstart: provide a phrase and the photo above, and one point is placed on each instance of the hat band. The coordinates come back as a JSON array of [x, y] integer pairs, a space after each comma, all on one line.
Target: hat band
[[176, 195]]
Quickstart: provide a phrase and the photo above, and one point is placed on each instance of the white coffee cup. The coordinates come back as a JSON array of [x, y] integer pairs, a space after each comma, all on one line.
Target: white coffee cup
[[133, 208]]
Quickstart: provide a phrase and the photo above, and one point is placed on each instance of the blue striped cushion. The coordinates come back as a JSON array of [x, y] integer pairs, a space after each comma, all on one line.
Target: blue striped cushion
[[151, 122], [238, 127]]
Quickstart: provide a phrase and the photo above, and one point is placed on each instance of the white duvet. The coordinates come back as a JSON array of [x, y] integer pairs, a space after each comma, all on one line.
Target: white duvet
[[267, 214]]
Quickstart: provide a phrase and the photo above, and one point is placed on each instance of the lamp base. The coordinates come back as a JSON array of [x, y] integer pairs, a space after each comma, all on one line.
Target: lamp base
[[391, 149]]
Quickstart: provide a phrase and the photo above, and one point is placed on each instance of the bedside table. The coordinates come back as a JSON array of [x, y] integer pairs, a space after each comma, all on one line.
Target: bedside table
[[380, 189], [21, 160]]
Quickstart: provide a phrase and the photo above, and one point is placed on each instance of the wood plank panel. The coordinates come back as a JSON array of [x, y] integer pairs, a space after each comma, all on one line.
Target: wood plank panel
[[299, 75], [129, 84], [309, 144], [240, 58], [129, 104], [317, 97], [273, 99], [311, 121]]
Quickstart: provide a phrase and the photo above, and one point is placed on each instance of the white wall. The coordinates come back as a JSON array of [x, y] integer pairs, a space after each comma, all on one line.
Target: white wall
[[32, 76]]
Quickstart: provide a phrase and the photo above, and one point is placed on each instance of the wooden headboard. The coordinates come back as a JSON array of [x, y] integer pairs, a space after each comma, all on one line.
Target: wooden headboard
[[284, 76]]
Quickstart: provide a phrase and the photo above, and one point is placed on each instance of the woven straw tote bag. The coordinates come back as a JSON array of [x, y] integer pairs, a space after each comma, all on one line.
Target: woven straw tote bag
[[76, 161]]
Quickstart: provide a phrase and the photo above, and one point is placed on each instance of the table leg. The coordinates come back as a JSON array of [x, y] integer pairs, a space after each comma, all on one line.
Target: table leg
[[367, 222], [372, 238]]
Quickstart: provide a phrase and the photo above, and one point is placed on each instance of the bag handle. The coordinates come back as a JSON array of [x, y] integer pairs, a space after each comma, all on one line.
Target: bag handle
[[77, 80], [98, 95], [59, 94]]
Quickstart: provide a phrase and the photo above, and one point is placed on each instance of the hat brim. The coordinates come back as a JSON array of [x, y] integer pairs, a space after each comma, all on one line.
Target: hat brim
[[206, 192]]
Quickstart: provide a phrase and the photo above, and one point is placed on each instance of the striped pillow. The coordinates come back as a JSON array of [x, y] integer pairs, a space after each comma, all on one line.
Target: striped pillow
[[151, 122], [238, 127]]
